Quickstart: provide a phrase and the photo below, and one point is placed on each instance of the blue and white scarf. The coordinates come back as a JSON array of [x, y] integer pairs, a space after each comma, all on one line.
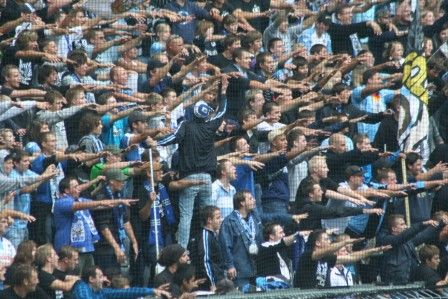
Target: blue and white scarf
[[163, 210], [118, 213]]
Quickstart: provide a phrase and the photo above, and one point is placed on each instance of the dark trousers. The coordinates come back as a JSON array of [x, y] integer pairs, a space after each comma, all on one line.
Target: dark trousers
[[42, 230]]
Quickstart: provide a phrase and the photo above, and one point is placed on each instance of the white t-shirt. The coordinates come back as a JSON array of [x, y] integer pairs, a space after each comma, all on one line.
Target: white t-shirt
[[7, 252]]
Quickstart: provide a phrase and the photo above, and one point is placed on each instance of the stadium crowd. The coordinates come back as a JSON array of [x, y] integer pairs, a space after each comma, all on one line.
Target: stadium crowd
[[177, 147]]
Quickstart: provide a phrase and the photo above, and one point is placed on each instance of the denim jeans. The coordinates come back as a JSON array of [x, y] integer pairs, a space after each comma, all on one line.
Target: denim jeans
[[186, 204]]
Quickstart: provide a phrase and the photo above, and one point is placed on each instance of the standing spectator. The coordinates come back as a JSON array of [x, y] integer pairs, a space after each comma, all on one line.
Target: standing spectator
[[222, 190], [397, 265], [73, 221], [197, 157], [113, 224], [240, 237], [209, 257]]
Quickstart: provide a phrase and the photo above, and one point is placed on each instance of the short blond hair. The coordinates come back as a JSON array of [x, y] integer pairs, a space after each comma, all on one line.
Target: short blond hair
[[42, 254], [316, 162]]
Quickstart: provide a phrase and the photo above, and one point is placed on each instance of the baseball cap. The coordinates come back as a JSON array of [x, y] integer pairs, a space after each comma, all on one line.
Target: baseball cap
[[136, 116], [115, 174], [202, 109], [26, 8], [157, 48], [353, 170], [32, 147], [275, 133]]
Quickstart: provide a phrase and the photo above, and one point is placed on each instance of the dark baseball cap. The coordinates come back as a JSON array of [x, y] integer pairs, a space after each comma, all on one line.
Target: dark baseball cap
[[115, 174], [353, 170], [27, 8]]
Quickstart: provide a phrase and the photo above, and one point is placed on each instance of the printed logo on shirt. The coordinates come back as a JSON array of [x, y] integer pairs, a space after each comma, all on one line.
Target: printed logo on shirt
[[256, 8], [321, 274]]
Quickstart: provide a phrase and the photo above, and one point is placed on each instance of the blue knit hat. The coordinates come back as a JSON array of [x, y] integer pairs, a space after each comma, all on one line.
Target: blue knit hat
[[202, 109]]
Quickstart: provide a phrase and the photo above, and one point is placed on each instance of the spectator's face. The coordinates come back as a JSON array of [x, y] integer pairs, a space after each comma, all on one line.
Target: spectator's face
[[98, 39], [344, 96], [302, 70], [391, 178], [283, 27], [57, 104], [317, 193], [346, 15], [139, 126], [121, 76], [443, 35], [232, 27], [235, 45], [244, 60], [8, 139], [321, 28], [97, 281], [280, 143], [81, 70], [3, 225], [23, 164], [324, 241], [31, 283], [404, 12], [397, 52], [274, 115], [32, 45], [164, 34], [79, 99], [339, 145], [185, 258], [277, 234], [343, 251], [170, 97], [364, 144], [257, 44], [322, 170], [257, 103], [385, 21], [98, 129], [74, 189], [132, 53], [268, 65], [242, 145], [249, 203], [175, 46], [14, 78], [230, 171], [72, 262], [53, 258], [8, 166], [416, 168], [375, 79], [428, 19], [216, 220], [52, 78], [49, 144], [356, 180], [79, 18], [189, 284], [116, 185], [434, 262], [300, 142], [51, 48], [277, 48], [399, 227]]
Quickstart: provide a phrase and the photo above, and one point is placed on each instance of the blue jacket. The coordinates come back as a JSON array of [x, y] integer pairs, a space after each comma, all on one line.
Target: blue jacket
[[235, 245]]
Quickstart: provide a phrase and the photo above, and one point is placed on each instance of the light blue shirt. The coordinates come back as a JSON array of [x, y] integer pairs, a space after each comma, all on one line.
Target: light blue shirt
[[309, 38]]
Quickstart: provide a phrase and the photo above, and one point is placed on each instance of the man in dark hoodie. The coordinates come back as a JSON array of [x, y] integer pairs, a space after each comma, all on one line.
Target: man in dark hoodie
[[197, 156]]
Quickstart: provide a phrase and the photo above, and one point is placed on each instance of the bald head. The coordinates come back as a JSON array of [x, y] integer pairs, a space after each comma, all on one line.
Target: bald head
[[337, 142]]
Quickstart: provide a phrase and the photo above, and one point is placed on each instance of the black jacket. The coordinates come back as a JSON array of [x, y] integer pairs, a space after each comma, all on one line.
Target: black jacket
[[338, 162], [196, 139], [397, 264]]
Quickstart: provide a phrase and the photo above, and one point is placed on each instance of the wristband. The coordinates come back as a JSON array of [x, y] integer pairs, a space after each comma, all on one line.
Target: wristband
[[420, 184]]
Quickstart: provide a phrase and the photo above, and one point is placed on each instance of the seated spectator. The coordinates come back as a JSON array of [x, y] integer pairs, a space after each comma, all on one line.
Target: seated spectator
[[91, 286], [427, 270], [170, 257], [24, 283]]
